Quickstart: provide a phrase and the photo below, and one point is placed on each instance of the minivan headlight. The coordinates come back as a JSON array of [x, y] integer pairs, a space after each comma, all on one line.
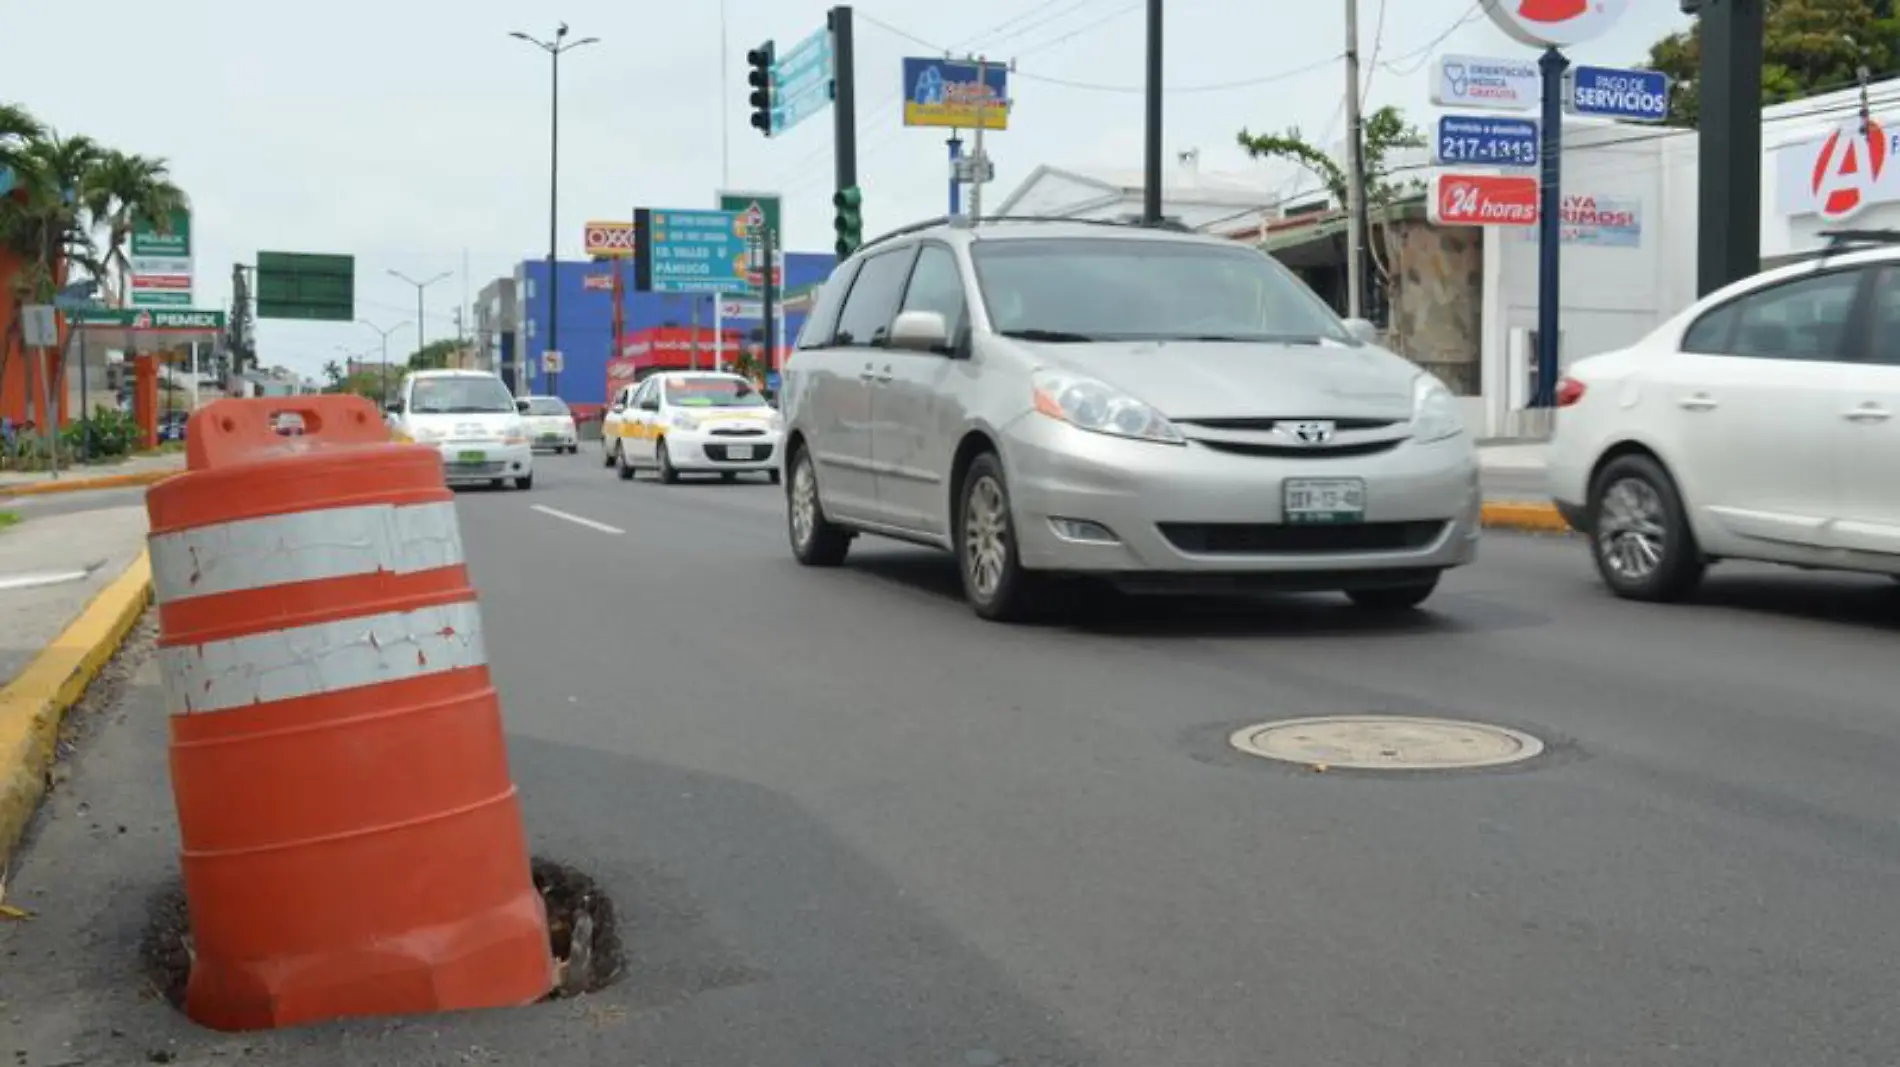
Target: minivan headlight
[[1434, 411], [1097, 407], [682, 421]]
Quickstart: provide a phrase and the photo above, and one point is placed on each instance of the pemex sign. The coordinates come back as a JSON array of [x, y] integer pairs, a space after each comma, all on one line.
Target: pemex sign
[[153, 320]]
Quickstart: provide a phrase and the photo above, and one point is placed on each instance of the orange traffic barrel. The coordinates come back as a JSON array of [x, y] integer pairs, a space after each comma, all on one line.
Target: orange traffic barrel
[[352, 843]]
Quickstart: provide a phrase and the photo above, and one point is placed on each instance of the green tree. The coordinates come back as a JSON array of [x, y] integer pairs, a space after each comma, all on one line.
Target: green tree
[[1387, 134], [333, 377], [434, 355], [1809, 47], [367, 383]]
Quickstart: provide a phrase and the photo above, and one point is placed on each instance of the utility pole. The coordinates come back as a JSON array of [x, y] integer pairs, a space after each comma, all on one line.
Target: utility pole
[[768, 297], [554, 48], [977, 157], [1356, 214], [1151, 161]]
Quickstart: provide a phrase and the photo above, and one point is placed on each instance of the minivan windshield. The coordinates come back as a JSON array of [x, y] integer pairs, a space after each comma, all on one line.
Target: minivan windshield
[[713, 393], [471, 395], [546, 405], [1117, 289]]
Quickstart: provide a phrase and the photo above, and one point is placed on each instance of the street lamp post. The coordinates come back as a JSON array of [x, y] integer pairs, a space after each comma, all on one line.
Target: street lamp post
[[420, 286], [554, 48], [384, 334]]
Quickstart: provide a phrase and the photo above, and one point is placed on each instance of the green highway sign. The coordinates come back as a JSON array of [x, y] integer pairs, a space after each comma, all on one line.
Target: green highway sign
[[184, 320], [302, 285]]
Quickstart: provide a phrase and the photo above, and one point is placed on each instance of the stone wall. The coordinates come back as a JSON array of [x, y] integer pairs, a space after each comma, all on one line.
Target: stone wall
[[1437, 312]]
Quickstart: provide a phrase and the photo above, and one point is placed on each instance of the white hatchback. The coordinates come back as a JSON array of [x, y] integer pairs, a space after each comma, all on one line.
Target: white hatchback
[[550, 424], [691, 422], [472, 419], [1760, 424]]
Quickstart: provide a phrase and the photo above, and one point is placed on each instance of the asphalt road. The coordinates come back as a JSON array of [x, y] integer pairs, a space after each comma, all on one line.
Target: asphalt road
[[850, 824]]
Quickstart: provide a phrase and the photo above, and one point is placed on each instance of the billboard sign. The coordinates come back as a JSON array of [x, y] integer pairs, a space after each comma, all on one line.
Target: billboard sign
[[946, 93], [160, 258], [1482, 200], [608, 240], [1555, 23], [1608, 93], [1487, 84]]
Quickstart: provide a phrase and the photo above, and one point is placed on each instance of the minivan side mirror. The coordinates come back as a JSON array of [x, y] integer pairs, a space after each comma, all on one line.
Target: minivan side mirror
[[521, 406], [1363, 331], [920, 331], [394, 407]]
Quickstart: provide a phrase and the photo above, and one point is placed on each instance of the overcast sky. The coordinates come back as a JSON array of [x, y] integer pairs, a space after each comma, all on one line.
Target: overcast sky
[[414, 134]]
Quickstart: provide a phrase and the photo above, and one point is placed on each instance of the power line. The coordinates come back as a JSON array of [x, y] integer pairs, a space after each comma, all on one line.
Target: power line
[[1378, 45], [1210, 87], [1087, 27], [1471, 15]]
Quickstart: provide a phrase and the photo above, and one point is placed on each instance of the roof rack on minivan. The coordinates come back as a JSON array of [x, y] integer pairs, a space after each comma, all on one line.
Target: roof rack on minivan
[[1839, 241], [967, 222]]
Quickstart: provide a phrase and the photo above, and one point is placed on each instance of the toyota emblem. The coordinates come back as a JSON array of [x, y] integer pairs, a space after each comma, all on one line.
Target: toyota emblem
[[1312, 433]]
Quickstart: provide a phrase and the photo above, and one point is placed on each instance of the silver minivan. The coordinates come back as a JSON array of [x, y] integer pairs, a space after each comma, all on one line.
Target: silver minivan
[[1162, 410]]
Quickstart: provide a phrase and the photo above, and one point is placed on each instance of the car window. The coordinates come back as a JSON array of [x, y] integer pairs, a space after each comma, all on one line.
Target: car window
[[1133, 289], [937, 285], [460, 396], [649, 395], [713, 393], [1804, 319], [1711, 334], [823, 320], [872, 302], [546, 405], [1884, 340]]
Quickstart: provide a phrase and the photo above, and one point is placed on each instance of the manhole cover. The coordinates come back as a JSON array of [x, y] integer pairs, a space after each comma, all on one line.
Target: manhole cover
[[1387, 743]]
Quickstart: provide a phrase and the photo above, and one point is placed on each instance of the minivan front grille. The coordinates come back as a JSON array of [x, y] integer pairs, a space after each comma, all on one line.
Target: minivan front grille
[[1273, 539], [1326, 451], [1267, 425]]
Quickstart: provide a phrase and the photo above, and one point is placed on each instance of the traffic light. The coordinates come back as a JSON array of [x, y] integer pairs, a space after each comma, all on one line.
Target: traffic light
[[848, 220], [760, 59]]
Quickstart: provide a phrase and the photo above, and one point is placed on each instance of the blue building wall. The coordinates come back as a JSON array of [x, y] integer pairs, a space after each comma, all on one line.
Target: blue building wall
[[586, 326]]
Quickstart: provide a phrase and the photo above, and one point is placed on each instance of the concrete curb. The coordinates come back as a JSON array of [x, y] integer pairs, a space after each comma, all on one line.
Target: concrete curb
[[34, 703], [77, 485], [1530, 518]]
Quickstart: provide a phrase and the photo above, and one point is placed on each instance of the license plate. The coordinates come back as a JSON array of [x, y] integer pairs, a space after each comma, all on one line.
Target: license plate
[[1325, 500], [471, 457], [738, 451], [548, 438]]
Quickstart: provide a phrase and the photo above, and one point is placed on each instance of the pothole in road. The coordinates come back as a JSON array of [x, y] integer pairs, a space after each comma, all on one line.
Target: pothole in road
[[583, 935], [1387, 743]]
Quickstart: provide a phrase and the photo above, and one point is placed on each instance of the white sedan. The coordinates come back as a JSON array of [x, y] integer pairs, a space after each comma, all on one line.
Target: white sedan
[[688, 422], [550, 424], [1760, 424]]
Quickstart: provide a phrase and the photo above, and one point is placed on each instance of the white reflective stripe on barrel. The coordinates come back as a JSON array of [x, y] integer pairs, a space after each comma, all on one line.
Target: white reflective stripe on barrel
[[304, 546], [305, 661]]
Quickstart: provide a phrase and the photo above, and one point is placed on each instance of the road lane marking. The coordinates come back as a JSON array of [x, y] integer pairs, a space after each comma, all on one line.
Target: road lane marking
[[577, 519]]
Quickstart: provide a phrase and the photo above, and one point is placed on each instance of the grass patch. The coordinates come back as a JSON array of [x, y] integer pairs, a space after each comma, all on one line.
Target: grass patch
[[9, 518]]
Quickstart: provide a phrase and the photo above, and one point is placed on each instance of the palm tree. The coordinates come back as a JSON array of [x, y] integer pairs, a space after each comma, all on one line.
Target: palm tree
[[121, 189], [17, 127]]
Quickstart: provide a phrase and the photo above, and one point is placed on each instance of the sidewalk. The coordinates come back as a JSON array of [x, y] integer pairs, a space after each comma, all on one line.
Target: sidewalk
[[1515, 494], [71, 586], [137, 470]]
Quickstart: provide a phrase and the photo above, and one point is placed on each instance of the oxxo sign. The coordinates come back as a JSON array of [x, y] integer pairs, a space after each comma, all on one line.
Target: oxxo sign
[[609, 240]]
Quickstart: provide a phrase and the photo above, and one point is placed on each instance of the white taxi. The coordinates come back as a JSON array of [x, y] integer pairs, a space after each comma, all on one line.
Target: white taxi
[[550, 424], [692, 422], [472, 418]]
